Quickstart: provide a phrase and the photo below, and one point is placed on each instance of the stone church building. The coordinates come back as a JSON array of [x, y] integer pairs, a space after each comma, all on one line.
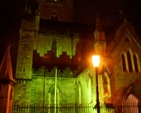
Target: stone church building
[[54, 63]]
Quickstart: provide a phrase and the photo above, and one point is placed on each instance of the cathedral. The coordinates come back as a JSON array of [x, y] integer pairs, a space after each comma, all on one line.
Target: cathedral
[[54, 62]]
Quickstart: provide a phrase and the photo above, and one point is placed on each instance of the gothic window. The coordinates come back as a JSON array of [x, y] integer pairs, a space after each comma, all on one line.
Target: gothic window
[[123, 62], [54, 16], [129, 61], [54, 47], [54, 95], [106, 84], [79, 93], [90, 89], [136, 63]]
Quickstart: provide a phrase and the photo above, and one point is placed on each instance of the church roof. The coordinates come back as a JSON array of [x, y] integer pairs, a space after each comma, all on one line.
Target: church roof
[[6, 66], [118, 34]]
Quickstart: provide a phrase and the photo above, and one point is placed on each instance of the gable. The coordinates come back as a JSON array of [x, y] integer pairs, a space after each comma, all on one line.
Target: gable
[[125, 37], [125, 41], [126, 54], [125, 48], [6, 66]]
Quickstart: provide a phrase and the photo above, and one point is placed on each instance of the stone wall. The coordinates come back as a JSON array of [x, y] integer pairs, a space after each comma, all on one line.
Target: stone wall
[[22, 91], [25, 52], [85, 86], [43, 88]]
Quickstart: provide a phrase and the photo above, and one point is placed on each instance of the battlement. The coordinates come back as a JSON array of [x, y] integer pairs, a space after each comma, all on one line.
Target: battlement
[[42, 71]]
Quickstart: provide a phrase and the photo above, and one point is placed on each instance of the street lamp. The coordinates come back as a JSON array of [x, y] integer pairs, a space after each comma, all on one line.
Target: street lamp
[[96, 61]]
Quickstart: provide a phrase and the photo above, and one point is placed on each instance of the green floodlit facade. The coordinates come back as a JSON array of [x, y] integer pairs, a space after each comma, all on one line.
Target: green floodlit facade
[[54, 59]]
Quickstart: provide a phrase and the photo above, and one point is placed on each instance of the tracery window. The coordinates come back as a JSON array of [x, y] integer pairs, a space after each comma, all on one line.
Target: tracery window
[[130, 62]]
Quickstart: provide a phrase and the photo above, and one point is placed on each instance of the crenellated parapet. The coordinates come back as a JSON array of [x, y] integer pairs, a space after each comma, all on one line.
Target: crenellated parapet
[[42, 71]]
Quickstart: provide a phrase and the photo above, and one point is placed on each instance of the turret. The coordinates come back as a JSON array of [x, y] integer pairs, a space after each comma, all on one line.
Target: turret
[[29, 28], [31, 15], [99, 36]]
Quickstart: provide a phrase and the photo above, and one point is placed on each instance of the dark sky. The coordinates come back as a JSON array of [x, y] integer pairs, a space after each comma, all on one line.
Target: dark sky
[[85, 10], [10, 18]]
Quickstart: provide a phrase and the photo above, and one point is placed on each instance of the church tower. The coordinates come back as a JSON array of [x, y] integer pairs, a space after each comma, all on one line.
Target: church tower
[[6, 83], [29, 28], [57, 10], [36, 12]]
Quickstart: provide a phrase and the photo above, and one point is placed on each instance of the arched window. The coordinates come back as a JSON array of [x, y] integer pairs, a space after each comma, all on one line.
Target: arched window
[[54, 16], [90, 89], [106, 85], [79, 93], [54, 95], [54, 47], [129, 61], [123, 62], [136, 63]]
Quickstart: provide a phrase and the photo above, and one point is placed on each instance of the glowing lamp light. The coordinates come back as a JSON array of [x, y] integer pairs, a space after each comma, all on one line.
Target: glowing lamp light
[[96, 60]]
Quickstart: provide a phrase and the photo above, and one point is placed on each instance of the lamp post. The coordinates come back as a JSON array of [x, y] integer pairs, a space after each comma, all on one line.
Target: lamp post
[[96, 61]]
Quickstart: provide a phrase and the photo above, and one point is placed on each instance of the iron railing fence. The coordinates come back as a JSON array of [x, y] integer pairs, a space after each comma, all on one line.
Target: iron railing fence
[[75, 108], [128, 107]]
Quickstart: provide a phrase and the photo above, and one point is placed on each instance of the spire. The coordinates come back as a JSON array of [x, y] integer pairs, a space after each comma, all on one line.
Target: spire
[[99, 36], [98, 23], [6, 65]]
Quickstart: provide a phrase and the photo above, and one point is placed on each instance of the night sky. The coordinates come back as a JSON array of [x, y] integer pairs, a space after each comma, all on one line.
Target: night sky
[[85, 10]]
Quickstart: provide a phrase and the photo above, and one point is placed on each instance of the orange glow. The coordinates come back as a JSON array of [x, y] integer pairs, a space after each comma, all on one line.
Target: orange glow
[[96, 60]]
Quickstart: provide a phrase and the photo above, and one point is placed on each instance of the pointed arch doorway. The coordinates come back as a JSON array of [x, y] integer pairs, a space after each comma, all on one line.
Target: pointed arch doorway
[[131, 104], [130, 99]]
